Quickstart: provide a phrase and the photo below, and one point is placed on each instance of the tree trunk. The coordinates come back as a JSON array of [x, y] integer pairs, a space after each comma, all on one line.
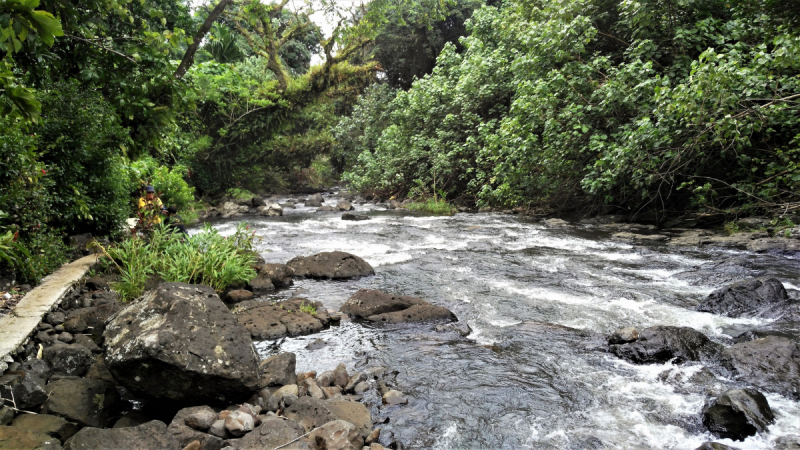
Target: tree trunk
[[188, 57]]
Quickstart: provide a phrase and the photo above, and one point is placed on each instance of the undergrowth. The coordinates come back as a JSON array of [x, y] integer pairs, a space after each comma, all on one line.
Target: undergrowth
[[204, 258], [433, 206]]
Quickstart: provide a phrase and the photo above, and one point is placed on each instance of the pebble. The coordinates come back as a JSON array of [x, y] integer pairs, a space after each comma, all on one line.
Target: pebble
[[65, 337]]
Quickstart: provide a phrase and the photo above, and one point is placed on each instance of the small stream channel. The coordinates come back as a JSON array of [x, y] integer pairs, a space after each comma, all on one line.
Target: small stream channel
[[517, 381]]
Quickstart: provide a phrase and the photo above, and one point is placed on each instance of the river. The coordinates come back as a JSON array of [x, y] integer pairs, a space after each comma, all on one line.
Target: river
[[515, 382]]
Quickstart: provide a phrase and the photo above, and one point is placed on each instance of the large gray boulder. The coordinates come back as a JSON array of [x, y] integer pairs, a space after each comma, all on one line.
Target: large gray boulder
[[87, 402], [179, 342], [738, 413], [763, 298], [330, 265], [149, 436], [377, 306], [664, 343], [771, 363]]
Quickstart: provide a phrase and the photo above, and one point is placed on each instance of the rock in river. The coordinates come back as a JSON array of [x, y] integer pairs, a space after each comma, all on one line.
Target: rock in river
[[88, 402], [738, 413], [179, 342], [663, 343], [265, 320], [330, 265], [377, 306], [763, 298], [771, 363]]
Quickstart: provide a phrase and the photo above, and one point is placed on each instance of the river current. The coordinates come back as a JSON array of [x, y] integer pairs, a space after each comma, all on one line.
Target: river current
[[521, 378]]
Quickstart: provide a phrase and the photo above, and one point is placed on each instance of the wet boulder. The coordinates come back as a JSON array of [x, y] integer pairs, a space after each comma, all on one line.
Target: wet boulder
[[311, 413], [737, 414], [152, 435], [664, 343], [88, 402], [184, 433], [179, 342], [763, 298], [326, 208], [377, 306], [330, 265], [771, 363]]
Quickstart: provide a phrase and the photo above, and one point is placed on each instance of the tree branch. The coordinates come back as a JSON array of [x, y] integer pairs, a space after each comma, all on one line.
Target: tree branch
[[110, 50], [188, 57]]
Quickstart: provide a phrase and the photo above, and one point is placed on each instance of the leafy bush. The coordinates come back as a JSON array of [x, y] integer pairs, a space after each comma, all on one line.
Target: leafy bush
[[620, 105], [433, 206], [30, 247], [82, 143], [204, 258], [168, 182]]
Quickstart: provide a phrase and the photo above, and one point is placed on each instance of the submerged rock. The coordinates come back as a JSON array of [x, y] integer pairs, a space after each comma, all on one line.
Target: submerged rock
[[180, 342], [377, 306], [330, 265], [664, 343], [763, 298], [149, 436], [771, 363], [737, 414], [351, 216]]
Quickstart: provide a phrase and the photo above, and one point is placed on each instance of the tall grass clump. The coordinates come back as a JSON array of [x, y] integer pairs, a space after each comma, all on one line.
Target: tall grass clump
[[433, 206], [205, 258]]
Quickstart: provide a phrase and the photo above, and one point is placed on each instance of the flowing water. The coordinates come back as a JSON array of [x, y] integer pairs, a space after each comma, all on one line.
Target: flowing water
[[533, 373]]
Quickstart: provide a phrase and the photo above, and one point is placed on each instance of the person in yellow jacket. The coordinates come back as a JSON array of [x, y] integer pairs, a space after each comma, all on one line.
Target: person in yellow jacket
[[150, 208]]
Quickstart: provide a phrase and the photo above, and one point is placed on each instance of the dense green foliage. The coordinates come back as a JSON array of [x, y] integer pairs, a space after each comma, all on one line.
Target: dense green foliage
[[628, 105], [205, 258]]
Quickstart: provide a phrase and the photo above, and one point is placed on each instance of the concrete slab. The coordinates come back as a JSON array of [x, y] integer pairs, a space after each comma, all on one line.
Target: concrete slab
[[17, 326]]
